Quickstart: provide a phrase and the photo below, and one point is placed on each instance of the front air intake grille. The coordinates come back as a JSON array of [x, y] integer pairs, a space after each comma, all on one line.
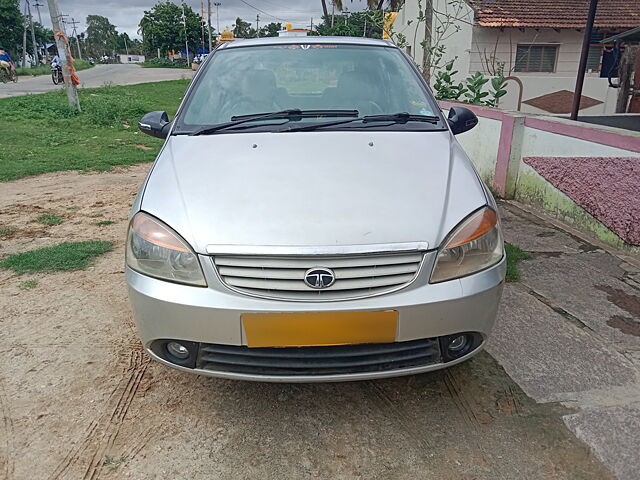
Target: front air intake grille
[[283, 277], [329, 360]]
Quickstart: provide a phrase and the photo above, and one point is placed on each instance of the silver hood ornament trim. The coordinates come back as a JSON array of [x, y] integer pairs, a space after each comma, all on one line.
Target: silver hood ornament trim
[[307, 250]]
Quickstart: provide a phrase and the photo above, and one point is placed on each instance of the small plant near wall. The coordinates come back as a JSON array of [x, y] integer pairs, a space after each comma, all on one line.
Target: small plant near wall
[[472, 90]]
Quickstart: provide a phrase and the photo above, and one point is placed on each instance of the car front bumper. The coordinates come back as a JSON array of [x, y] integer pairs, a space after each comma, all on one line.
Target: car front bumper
[[212, 315]]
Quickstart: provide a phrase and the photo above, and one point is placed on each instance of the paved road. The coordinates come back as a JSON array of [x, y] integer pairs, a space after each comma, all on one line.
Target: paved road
[[96, 77]]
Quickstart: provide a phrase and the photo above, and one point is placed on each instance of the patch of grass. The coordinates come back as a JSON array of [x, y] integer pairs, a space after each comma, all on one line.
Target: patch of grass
[[6, 231], [46, 69], [104, 223], [42, 134], [65, 256], [112, 463], [28, 284], [49, 219], [514, 255]]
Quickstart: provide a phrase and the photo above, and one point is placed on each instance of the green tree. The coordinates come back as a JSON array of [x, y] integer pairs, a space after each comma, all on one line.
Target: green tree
[[358, 24], [162, 28], [11, 27], [270, 30], [101, 36], [126, 44], [242, 29]]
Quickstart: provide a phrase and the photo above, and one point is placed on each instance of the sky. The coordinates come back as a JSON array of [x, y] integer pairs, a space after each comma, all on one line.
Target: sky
[[126, 14]]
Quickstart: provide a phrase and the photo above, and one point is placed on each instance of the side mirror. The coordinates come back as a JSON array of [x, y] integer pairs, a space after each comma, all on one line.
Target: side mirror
[[461, 119], [156, 124]]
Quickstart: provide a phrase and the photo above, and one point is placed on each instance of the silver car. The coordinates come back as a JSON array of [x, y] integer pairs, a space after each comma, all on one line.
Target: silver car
[[311, 217]]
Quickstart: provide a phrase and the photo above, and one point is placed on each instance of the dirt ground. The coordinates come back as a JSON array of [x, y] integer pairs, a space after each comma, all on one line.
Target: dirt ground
[[81, 400]]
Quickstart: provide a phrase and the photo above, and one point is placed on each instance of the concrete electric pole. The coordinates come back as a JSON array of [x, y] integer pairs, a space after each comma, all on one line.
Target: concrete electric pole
[[38, 5], [24, 39], [209, 24], [33, 36], [258, 25], [186, 39], [63, 52], [217, 4], [74, 22]]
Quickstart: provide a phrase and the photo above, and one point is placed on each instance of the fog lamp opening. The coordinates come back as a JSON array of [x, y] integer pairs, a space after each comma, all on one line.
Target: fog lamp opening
[[458, 345], [178, 352]]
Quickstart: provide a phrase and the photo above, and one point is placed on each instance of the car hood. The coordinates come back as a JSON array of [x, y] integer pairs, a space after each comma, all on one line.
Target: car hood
[[312, 188]]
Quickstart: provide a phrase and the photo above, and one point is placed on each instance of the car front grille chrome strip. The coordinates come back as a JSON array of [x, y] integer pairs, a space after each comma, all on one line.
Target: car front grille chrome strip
[[303, 250], [296, 278]]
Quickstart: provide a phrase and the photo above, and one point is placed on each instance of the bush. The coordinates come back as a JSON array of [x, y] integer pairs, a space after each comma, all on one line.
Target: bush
[[165, 63]]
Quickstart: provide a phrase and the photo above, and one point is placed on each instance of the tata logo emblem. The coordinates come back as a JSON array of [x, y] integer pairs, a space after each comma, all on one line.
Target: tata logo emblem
[[319, 277], [305, 47]]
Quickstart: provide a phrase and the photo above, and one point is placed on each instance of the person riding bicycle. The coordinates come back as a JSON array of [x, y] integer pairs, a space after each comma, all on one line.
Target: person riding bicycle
[[5, 62]]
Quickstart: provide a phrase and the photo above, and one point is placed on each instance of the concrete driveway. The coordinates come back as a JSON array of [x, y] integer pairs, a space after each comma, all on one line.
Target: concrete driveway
[[556, 395], [97, 76]]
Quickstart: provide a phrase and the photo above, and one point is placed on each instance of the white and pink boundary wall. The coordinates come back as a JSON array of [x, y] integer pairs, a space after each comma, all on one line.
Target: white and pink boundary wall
[[584, 174]]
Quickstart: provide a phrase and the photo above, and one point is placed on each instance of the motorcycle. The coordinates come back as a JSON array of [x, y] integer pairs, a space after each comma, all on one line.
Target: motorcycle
[[56, 75]]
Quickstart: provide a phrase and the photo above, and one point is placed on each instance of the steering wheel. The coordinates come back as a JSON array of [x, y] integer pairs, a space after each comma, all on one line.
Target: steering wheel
[[369, 106], [244, 105]]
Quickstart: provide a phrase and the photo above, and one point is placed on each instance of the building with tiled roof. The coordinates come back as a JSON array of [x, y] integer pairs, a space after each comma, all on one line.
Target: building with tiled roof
[[554, 13], [536, 42]]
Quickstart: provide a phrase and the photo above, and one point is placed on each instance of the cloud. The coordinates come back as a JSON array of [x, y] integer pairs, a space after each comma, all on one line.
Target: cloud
[[126, 14]]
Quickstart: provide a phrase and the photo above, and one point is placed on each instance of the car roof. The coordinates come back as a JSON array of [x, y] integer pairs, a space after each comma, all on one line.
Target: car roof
[[250, 42]]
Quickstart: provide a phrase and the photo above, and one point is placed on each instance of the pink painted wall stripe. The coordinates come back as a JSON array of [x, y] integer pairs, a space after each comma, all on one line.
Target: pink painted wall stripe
[[629, 142]]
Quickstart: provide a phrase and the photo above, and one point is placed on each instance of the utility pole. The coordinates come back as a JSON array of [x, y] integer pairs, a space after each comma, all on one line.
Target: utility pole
[[24, 38], [75, 34], [217, 4], [186, 39], [257, 25], [33, 36], [126, 47], [202, 24], [38, 5], [64, 54], [209, 23], [582, 66]]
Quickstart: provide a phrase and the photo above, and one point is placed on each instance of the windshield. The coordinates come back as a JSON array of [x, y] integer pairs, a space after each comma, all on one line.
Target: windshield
[[240, 81]]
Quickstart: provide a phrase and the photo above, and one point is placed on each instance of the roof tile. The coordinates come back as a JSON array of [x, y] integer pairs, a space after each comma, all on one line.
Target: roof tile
[[555, 13]]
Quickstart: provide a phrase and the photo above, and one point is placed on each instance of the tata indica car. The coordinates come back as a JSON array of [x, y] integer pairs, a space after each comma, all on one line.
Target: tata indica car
[[311, 217]]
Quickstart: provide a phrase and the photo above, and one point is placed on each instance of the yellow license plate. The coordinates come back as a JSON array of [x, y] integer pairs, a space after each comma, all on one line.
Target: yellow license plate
[[319, 328]]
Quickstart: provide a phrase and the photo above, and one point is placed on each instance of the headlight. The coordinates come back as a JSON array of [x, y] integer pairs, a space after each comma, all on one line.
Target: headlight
[[154, 249], [472, 246]]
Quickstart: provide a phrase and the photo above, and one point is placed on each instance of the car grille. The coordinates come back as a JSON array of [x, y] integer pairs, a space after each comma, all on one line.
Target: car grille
[[283, 277], [329, 360]]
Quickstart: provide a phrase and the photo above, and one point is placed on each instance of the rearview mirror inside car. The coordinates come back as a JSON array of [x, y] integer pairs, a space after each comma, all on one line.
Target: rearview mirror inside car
[[461, 119], [156, 124]]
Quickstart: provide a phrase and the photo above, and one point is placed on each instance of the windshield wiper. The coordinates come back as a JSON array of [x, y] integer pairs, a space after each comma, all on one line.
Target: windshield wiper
[[293, 114], [400, 117]]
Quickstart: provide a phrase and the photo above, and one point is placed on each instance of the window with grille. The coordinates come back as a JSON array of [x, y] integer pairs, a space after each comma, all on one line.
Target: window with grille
[[536, 58], [593, 59]]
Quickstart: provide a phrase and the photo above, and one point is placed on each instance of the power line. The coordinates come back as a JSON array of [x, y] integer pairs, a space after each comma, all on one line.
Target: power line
[[287, 8], [262, 11]]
